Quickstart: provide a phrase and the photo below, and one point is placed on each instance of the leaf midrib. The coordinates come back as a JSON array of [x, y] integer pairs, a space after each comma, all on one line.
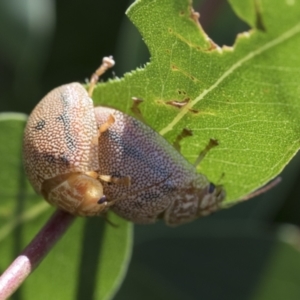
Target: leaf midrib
[[184, 110]]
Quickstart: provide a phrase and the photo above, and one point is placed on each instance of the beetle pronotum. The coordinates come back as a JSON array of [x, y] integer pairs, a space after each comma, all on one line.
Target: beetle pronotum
[[84, 160]]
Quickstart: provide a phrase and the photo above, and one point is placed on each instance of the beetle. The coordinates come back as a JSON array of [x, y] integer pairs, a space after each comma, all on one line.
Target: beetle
[[85, 160]]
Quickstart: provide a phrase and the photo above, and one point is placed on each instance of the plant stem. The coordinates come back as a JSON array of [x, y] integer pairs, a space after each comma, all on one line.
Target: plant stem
[[32, 255]]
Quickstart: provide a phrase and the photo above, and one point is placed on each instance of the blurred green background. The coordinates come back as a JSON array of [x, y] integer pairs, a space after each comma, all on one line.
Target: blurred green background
[[250, 251]]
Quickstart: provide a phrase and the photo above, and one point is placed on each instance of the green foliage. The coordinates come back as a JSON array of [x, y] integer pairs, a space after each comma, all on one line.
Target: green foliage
[[280, 278], [246, 97]]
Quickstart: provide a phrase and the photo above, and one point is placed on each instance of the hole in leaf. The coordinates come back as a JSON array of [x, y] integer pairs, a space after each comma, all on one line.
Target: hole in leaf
[[219, 21]]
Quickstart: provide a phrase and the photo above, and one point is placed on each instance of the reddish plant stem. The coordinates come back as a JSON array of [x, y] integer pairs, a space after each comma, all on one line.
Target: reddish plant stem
[[262, 190], [33, 254]]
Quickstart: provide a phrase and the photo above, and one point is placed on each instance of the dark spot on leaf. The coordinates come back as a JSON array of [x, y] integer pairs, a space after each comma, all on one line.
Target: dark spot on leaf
[[178, 104], [212, 46], [194, 111]]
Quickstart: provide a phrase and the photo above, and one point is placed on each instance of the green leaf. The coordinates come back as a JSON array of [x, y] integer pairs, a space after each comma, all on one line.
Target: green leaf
[[248, 10], [90, 259], [220, 258], [280, 279], [246, 97]]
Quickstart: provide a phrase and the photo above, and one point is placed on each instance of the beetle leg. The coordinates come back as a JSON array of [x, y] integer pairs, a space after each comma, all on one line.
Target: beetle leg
[[107, 62], [92, 174], [212, 143], [184, 133], [124, 180], [136, 110], [104, 127]]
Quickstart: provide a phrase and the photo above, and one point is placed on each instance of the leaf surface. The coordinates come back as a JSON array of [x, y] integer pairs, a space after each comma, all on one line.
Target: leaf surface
[[245, 96]]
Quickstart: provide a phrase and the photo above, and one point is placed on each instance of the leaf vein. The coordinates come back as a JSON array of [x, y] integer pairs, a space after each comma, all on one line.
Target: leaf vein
[[280, 39]]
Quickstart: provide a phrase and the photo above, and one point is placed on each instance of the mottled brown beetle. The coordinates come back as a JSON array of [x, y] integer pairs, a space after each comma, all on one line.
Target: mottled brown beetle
[[84, 160]]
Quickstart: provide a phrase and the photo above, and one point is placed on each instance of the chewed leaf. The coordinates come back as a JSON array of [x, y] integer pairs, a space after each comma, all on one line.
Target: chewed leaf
[[245, 97]]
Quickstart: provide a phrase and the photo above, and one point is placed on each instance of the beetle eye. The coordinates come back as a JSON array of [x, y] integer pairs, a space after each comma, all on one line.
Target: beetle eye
[[211, 188], [102, 200]]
